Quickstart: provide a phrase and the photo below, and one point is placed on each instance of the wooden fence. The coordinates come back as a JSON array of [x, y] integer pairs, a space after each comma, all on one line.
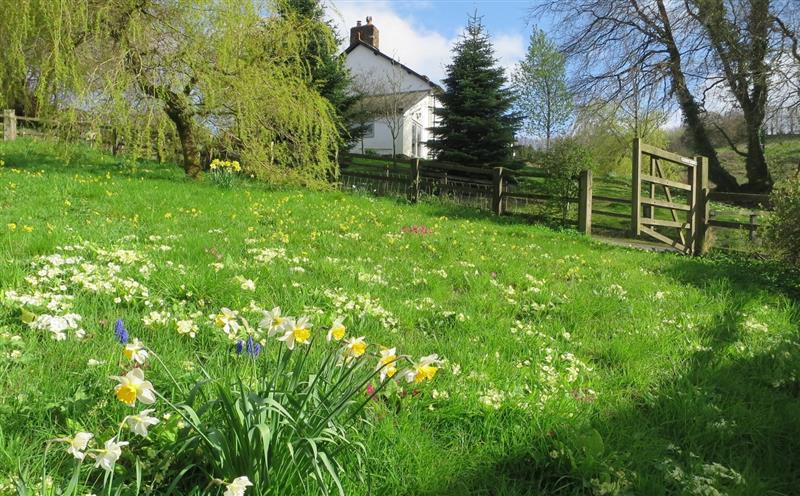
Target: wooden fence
[[500, 190]]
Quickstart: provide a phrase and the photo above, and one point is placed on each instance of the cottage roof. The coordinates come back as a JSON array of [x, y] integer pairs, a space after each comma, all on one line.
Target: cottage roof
[[409, 70]]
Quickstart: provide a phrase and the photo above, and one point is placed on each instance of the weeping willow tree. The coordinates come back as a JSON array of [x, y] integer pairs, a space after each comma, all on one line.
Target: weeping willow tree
[[227, 72]]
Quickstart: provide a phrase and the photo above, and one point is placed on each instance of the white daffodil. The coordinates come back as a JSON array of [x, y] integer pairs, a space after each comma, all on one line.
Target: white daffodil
[[237, 487], [337, 330], [387, 363], [226, 320], [109, 455], [426, 368], [356, 347], [77, 444], [296, 332], [272, 322], [140, 423], [135, 351], [132, 387]]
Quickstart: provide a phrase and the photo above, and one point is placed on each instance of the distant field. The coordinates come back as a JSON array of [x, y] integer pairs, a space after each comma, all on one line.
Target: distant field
[[571, 367]]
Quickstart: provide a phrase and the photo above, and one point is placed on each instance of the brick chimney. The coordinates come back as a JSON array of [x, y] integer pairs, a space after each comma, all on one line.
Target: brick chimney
[[367, 33]]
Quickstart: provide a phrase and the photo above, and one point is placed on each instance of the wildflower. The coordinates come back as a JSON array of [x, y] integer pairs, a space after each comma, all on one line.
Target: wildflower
[[109, 455], [386, 363], [226, 320], [296, 331], [252, 347], [337, 330], [132, 387], [140, 423], [272, 321], [93, 362], [356, 347], [237, 487], [11, 226], [135, 351], [186, 327], [27, 229], [424, 369], [77, 444], [246, 284], [120, 332]]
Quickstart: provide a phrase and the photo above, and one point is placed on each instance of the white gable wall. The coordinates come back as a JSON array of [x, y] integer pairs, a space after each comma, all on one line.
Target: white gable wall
[[367, 67], [364, 63]]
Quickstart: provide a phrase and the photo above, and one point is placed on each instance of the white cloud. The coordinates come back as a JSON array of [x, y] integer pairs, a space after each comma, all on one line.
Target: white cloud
[[404, 38]]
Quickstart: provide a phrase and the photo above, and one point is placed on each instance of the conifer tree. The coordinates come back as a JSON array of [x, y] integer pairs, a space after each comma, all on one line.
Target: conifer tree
[[327, 70], [476, 122]]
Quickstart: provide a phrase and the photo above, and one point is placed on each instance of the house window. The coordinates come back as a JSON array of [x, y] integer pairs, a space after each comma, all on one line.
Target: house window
[[416, 139], [369, 130]]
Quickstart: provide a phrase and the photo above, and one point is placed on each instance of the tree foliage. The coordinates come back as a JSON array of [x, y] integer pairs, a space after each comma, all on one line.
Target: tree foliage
[[231, 71], [476, 121], [540, 81]]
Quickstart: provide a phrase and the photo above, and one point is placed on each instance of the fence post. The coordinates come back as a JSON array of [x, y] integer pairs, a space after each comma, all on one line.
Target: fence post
[[700, 206], [585, 202], [636, 188], [9, 125], [497, 191], [753, 216], [413, 191]]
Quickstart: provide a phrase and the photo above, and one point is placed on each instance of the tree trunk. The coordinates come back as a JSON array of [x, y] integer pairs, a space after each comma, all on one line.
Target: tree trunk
[[758, 176], [691, 111], [178, 112]]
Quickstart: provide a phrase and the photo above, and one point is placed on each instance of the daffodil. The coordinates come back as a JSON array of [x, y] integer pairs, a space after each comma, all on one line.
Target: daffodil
[[337, 330], [140, 423], [77, 444], [426, 368], [132, 387], [296, 332], [272, 321], [109, 455], [386, 363], [226, 320], [356, 347], [237, 487], [135, 351]]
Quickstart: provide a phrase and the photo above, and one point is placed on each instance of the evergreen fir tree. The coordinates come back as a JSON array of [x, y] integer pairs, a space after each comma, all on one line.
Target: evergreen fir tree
[[476, 123], [329, 74]]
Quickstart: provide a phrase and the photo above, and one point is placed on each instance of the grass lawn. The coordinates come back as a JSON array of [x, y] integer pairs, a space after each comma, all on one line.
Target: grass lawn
[[571, 367]]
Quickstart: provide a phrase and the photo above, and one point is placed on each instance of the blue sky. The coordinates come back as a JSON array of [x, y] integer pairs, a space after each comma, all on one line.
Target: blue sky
[[420, 33]]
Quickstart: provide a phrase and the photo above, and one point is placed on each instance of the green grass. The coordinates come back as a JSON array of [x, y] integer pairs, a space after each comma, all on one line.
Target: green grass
[[572, 367]]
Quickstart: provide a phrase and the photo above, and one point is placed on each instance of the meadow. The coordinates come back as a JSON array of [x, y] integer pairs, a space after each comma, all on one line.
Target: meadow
[[565, 366]]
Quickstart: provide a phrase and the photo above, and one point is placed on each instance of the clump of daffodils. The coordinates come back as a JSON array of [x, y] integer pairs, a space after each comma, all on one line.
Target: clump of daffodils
[[231, 165], [223, 172]]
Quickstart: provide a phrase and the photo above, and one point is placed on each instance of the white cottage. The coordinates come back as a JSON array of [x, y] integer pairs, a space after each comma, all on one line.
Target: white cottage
[[400, 100]]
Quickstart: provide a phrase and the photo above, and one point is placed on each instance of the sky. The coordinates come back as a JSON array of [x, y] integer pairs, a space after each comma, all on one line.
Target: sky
[[421, 33]]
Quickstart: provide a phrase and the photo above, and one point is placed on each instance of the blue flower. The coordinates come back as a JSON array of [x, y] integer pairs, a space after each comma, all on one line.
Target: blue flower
[[239, 347], [120, 332], [253, 348]]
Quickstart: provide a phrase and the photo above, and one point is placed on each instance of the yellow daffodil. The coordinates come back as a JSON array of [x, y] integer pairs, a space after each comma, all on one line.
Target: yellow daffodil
[[387, 363], [226, 320], [356, 347], [135, 351], [296, 331], [272, 321], [132, 387], [337, 330], [426, 368]]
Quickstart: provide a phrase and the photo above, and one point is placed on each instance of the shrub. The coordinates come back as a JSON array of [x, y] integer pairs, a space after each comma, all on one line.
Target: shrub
[[782, 226], [563, 162]]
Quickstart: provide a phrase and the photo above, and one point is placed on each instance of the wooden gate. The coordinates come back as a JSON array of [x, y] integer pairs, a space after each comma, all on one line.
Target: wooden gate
[[684, 196]]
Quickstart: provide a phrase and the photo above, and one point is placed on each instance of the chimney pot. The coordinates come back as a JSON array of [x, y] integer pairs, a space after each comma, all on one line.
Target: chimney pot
[[366, 33]]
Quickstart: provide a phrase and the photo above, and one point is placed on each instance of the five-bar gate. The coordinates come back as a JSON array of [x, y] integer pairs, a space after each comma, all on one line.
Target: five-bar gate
[[684, 196]]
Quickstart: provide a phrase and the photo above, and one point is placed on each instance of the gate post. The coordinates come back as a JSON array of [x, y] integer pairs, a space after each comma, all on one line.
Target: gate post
[[585, 202], [9, 125], [497, 191], [636, 189], [413, 192], [700, 213]]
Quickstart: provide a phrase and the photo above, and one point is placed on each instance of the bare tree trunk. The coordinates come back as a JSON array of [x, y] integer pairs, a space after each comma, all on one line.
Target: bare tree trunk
[[691, 110], [179, 113]]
